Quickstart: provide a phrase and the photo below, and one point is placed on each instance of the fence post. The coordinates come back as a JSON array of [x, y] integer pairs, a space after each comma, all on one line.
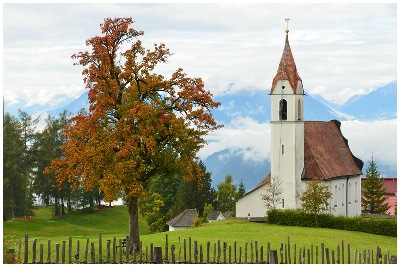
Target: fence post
[[224, 251], [256, 250], [327, 256], [190, 249], [261, 254], [316, 254], [120, 250], [108, 250], [41, 254], [57, 252], [322, 253], [100, 248], [288, 250], [342, 251], [393, 260], [140, 251], [166, 247], [77, 251], [348, 253], [92, 252], [230, 255], [312, 254], [208, 252], [215, 253], [273, 257], [151, 250], [157, 256], [86, 251], [26, 250], [268, 252], [70, 250], [195, 251], [173, 254], [34, 251], [201, 253], [219, 251], [251, 251], [114, 250], [234, 251], [184, 250], [281, 253], [245, 253]]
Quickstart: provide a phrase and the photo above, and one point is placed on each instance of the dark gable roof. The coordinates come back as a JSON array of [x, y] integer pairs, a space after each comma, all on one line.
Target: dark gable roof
[[184, 219], [326, 152], [213, 215]]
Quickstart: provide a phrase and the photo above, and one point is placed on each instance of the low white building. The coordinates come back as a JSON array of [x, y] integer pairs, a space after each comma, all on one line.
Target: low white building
[[183, 220], [214, 216]]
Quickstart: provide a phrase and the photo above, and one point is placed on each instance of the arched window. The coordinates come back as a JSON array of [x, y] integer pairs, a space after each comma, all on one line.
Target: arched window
[[299, 110], [282, 110]]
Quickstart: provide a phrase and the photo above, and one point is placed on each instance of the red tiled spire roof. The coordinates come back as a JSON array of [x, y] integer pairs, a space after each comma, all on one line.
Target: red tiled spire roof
[[287, 68]]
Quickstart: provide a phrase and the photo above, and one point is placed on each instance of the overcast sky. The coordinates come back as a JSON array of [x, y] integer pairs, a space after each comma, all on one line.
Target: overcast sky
[[340, 50]]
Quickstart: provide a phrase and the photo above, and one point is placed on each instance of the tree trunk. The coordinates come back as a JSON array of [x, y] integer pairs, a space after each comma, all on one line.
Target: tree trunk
[[133, 212]]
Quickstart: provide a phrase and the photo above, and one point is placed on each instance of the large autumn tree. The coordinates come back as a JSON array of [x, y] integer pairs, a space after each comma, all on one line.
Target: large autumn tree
[[140, 123]]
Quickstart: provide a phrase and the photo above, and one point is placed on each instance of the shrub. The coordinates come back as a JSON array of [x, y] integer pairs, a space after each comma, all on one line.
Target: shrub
[[377, 226]]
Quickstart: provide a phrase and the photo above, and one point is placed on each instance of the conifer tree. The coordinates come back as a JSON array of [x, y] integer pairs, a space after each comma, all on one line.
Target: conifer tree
[[373, 198]]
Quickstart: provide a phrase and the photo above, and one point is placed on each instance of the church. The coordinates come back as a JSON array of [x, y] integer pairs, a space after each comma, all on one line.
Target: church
[[302, 150]]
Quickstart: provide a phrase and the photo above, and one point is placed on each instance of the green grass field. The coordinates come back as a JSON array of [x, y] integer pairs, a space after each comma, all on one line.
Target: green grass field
[[113, 222]]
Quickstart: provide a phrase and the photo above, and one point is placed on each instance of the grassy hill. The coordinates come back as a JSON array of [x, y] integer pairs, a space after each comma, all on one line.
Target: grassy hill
[[113, 222], [108, 221]]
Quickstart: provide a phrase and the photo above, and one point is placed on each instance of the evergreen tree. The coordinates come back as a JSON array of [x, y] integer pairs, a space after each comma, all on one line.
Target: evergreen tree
[[193, 195], [226, 195], [18, 164], [241, 190], [373, 198]]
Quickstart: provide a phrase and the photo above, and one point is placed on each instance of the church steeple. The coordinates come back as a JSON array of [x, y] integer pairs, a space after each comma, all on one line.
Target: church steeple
[[287, 128], [287, 69]]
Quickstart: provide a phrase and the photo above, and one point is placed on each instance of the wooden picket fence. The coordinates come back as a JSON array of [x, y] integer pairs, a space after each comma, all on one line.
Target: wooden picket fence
[[193, 252]]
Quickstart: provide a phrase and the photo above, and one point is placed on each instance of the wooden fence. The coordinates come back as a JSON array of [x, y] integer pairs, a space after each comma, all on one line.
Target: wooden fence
[[192, 252]]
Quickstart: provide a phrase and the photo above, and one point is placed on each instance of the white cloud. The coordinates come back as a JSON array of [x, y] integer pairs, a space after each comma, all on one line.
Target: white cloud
[[342, 48], [253, 140], [378, 138], [248, 137]]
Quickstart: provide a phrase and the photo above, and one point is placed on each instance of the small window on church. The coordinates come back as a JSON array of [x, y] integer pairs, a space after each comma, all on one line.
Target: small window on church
[[283, 149], [283, 110]]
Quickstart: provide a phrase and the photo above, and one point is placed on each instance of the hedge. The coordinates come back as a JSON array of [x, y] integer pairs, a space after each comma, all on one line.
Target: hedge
[[376, 226]]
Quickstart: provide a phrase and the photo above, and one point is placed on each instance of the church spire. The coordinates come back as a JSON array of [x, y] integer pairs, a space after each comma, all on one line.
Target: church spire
[[287, 67]]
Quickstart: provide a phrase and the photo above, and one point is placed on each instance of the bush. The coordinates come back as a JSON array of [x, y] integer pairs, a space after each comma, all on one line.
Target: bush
[[9, 250], [387, 227]]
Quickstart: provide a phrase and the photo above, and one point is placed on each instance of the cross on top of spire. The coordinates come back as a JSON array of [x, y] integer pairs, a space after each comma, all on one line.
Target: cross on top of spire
[[287, 24]]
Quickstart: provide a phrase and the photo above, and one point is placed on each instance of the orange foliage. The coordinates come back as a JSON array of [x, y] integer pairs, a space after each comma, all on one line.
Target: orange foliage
[[139, 123]]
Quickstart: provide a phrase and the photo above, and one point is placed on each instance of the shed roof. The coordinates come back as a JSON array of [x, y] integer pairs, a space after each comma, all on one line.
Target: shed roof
[[184, 219], [213, 215]]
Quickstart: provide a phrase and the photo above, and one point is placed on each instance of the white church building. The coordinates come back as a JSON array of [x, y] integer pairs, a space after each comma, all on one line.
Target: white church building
[[302, 150]]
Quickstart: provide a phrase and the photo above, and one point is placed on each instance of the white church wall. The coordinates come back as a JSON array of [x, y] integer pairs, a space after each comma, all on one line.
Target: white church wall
[[251, 205]]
